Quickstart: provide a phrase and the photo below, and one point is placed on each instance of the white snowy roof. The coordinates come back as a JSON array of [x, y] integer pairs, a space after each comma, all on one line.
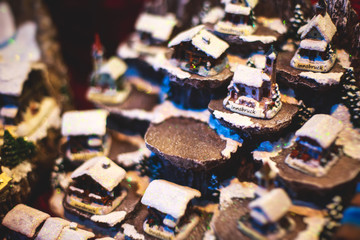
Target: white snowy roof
[[237, 9], [202, 40], [312, 44], [250, 3], [7, 23], [24, 220], [52, 228], [273, 206], [115, 67], [324, 25], [160, 27], [252, 77], [75, 123], [102, 170], [72, 234], [168, 198], [322, 128]]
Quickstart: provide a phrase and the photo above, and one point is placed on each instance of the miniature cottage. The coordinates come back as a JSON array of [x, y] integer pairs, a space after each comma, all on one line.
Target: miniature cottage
[[315, 52], [96, 186], [107, 83], [155, 29], [314, 146], [85, 132], [239, 18], [24, 222], [167, 204], [265, 179], [254, 92], [199, 51]]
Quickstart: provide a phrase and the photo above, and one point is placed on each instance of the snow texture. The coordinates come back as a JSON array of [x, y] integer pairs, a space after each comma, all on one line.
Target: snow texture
[[168, 198], [344, 58], [237, 9], [323, 128], [52, 228], [111, 219], [324, 25], [235, 119], [231, 147], [78, 234], [260, 38], [312, 44], [132, 158], [19, 172], [185, 36], [213, 16], [250, 3], [323, 78], [314, 226], [7, 22], [87, 122], [162, 63], [249, 76], [115, 67], [273, 205], [236, 190], [274, 24], [130, 231], [102, 170]]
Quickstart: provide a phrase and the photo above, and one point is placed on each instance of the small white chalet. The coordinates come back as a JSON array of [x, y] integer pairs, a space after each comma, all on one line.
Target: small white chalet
[[96, 186], [167, 204], [315, 151], [199, 51], [315, 52], [155, 29], [85, 132], [254, 92], [239, 18]]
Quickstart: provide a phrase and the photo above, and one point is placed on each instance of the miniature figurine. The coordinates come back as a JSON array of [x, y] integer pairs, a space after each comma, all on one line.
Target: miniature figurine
[[315, 151], [107, 82], [316, 52], [169, 215], [85, 132], [267, 218], [254, 92], [199, 51], [239, 17], [96, 186]]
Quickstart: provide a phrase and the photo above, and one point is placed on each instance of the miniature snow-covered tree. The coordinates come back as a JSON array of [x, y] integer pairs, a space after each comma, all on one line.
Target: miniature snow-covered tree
[[351, 96], [296, 22], [14, 151], [214, 187], [303, 114], [334, 210], [151, 167]]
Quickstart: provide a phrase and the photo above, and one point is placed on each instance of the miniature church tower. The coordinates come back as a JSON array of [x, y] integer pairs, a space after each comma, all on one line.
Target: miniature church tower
[[266, 177], [270, 66], [97, 52]]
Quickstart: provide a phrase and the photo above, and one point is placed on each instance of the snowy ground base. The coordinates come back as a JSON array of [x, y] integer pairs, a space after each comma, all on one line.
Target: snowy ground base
[[109, 96], [312, 167], [202, 71], [316, 66], [230, 28]]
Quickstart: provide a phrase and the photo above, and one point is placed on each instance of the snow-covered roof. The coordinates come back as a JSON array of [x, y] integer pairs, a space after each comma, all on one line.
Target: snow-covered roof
[[168, 198], [24, 220], [78, 234], [237, 9], [322, 128], [7, 23], [312, 44], [115, 67], [323, 24], [102, 170], [160, 27], [52, 228], [273, 206], [75, 123], [202, 40], [252, 77], [248, 3]]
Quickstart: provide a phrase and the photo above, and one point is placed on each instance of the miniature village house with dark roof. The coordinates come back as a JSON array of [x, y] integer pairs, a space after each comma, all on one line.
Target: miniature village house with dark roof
[[315, 52], [155, 29], [199, 51], [95, 186], [85, 133], [254, 92], [239, 17], [168, 205], [315, 151]]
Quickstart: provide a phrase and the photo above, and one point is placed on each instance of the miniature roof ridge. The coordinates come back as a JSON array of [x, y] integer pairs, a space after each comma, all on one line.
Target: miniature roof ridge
[[185, 36], [168, 197], [252, 77], [322, 128], [115, 67], [246, 3], [108, 176], [323, 24], [237, 9], [86, 122], [274, 205], [52, 228]]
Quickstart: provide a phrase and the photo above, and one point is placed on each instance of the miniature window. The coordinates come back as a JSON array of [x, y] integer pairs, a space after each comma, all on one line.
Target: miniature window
[[268, 62], [253, 92], [242, 90]]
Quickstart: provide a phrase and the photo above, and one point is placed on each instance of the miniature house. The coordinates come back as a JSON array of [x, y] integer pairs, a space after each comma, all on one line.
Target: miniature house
[[95, 186], [168, 206], [265, 179], [314, 146], [254, 92], [155, 29], [25, 100], [238, 19], [85, 133], [315, 52], [199, 51]]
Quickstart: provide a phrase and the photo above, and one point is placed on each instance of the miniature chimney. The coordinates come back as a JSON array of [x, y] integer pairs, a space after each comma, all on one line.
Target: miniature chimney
[[321, 7], [266, 177], [97, 52], [270, 65]]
